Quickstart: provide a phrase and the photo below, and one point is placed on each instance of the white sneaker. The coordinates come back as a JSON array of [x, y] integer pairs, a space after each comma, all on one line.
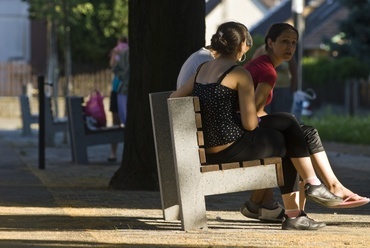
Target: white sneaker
[[247, 212], [271, 214]]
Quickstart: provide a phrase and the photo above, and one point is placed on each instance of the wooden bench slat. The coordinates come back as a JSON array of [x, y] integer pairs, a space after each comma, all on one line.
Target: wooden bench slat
[[200, 138], [209, 167], [198, 120], [251, 163], [228, 166], [202, 156], [196, 104], [272, 160]]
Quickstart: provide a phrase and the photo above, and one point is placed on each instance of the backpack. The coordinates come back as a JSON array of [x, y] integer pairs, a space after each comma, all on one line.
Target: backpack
[[94, 108]]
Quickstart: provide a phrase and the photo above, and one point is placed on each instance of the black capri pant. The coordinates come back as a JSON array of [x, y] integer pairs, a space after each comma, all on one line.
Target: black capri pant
[[310, 134], [312, 138], [278, 135]]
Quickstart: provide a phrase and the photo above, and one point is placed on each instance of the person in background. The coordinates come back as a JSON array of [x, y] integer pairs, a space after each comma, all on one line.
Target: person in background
[[122, 70], [113, 107], [280, 45], [232, 129]]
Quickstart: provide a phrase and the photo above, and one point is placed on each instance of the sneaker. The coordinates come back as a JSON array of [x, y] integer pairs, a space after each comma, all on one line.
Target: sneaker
[[302, 222], [247, 211], [321, 195], [111, 159], [271, 215]]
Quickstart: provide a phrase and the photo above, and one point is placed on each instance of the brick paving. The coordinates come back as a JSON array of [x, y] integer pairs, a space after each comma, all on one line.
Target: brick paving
[[67, 205]]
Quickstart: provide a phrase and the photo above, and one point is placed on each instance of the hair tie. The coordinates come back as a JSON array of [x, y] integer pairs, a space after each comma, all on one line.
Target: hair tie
[[220, 34]]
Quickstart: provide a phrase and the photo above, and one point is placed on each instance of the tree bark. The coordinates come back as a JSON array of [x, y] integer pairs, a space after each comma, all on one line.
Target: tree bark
[[162, 34]]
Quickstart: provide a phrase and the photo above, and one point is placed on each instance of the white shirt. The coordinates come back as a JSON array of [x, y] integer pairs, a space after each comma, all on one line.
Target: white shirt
[[191, 65]]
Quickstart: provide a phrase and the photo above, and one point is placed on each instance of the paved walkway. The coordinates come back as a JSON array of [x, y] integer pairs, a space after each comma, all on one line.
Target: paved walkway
[[68, 205]]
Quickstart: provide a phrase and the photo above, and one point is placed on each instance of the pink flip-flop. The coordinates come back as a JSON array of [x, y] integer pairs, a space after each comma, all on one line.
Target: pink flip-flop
[[347, 203]]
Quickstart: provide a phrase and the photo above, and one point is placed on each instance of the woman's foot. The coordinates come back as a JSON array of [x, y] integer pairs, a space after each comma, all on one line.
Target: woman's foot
[[344, 193], [301, 222], [111, 159], [272, 213], [321, 195], [350, 199]]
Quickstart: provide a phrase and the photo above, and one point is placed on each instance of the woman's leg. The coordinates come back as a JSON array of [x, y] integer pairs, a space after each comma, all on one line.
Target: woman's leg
[[322, 165], [257, 144], [297, 150], [294, 140], [122, 107], [115, 121]]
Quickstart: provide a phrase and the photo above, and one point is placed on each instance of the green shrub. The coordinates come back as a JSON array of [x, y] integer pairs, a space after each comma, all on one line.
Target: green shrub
[[319, 71], [340, 128]]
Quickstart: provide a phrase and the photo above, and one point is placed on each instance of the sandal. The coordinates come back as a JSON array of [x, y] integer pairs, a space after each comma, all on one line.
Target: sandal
[[348, 203]]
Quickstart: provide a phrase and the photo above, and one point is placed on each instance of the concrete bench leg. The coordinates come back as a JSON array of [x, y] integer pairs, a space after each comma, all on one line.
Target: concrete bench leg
[[27, 118], [165, 163], [192, 200], [26, 127], [81, 155], [190, 189]]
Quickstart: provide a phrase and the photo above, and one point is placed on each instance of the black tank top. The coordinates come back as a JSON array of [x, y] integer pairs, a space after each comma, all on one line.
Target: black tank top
[[219, 106]]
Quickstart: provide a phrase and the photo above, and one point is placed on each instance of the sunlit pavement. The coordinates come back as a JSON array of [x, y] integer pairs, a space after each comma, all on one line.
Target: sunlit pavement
[[68, 205]]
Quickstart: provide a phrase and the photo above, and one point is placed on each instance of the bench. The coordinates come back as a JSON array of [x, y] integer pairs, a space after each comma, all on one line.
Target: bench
[[27, 117], [82, 137], [53, 125], [185, 178]]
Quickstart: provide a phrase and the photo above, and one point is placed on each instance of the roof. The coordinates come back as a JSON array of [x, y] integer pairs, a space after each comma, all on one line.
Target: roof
[[280, 13], [211, 5], [322, 20], [323, 23]]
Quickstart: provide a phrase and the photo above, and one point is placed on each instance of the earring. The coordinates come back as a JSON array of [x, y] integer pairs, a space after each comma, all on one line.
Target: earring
[[243, 58]]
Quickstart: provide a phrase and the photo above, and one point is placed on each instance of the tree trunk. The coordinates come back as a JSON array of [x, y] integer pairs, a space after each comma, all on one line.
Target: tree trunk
[[162, 34]]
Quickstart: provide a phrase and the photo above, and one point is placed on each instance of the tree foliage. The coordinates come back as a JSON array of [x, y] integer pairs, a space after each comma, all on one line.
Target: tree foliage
[[355, 37], [94, 25]]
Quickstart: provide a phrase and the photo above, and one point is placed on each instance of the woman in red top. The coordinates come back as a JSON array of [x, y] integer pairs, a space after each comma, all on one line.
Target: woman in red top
[[280, 45]]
